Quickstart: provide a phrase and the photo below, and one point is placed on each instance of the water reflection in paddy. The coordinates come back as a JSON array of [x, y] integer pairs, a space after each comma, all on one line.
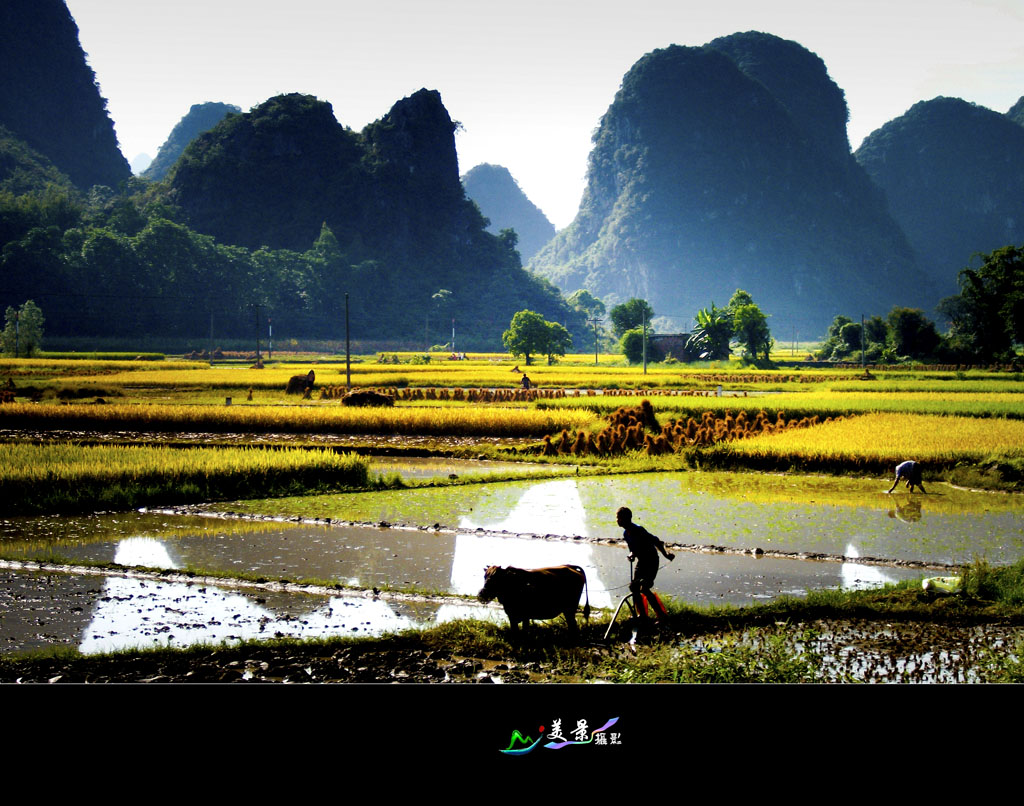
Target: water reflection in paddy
[[100, 614], [775, 513], [421, 468], [838, 516], [115, 612]]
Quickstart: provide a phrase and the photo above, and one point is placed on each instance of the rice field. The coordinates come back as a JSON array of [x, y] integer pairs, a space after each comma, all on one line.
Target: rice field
[[67, 477], [824, 403], [79, 368], [892, 436], [483, 374], [479, 398], [482, 421]]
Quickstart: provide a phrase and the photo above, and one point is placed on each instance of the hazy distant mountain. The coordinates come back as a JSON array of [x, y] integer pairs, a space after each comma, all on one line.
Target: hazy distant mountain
[[501, 200], [139, 163], [727, 167], [49, 97], [200, 118], [954, 175]]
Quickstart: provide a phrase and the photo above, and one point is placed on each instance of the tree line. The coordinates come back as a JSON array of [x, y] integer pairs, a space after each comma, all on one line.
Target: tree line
[[124, 265], [986, 322]]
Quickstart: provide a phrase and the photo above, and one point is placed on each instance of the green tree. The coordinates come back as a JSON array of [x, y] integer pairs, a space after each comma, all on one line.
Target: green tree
[[987, 316], [710, 339], [850, 336], [530, 334], [632, 346], [559, 341], [23, 330], [509, 240], [740, 298], [911, 333], [630, 314], [875, 330], [750, 327]]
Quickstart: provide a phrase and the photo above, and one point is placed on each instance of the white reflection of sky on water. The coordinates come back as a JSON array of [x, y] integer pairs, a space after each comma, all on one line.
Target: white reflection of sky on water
[[145, 551], [140, 613], [551, 507], [854, 576]]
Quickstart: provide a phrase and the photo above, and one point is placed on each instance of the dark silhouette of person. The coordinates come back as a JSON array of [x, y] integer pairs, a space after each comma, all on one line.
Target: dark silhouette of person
[[644, 548]]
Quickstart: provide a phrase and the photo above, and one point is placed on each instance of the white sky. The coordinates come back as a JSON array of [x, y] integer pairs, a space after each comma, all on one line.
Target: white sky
[[529, 80]]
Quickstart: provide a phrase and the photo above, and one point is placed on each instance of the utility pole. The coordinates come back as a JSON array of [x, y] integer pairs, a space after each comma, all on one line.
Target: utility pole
[[270, 340], [644, 320], [453, 334], [17, 331], [257, 309], [595, 321], [862, 341], [348, 354]]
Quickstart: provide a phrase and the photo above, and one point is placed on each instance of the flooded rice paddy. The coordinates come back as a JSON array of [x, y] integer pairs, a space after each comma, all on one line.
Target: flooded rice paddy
[[749, 538]]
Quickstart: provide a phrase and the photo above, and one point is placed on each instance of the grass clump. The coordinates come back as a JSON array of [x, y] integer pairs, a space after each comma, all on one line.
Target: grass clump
[[1001, 584], [755, 656]]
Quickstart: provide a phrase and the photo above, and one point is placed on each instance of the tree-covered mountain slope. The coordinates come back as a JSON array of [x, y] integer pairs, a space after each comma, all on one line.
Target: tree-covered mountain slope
[[401, 227], [954, 176], [49, 97], [725, 167], [200, 118]]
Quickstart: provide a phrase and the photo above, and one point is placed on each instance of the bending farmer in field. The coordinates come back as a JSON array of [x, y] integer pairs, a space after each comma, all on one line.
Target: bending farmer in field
[[644, 548], [911, 471]]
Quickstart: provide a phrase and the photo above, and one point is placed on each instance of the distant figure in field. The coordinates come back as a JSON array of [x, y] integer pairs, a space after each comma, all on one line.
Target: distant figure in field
[[911, 472], [526, 381], [644, 547]]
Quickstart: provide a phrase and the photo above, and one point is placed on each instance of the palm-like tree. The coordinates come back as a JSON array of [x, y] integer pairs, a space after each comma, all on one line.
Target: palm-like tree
[[710, 339]]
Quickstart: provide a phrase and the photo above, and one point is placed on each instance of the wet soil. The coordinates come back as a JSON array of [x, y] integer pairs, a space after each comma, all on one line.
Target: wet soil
[[909, 651], [375, 444]]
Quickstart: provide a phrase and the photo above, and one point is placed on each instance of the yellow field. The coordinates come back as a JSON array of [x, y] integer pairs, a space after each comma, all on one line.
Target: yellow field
[[974, 404], [452, 374], [55, 464], [79, 368], [892, 436], [66, 478], [430, 421]]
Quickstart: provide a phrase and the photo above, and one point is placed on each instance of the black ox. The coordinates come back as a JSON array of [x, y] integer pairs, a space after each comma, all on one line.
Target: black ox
[[540, 593], [300, 384]]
